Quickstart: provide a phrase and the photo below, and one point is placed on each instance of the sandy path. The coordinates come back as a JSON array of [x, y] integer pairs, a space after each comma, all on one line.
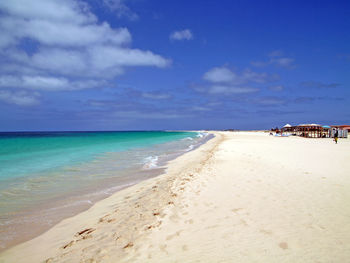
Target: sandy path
[[242, 197]]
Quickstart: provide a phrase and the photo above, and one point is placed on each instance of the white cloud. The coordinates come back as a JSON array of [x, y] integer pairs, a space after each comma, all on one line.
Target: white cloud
[[50, 22], [98, 61], [57, 10], [21, 98], [17, 69], [155, 96], [220, 74], [121, 10], [103, 57], [185, 34], [225, 75], [283, 62], [64, 33], [251, 76], [46, 83], [223, 80], [222, 89], [6, 40], [69, 42], [62, 61], [278, 59]]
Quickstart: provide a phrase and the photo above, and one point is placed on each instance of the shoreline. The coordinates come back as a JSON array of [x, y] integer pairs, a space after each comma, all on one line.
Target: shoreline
[[56, 209], [163, 172], [240, 197]]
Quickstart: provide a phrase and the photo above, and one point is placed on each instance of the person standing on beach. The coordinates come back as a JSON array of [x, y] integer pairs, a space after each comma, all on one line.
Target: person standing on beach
[[336, 136]]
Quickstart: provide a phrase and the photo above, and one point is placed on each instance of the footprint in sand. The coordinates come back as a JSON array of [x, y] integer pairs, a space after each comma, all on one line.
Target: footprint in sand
[[174, 235], [163, 248], [283, 245], [243, 222]]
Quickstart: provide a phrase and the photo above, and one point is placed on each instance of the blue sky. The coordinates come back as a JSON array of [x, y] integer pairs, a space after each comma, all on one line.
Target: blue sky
[[146, 65]]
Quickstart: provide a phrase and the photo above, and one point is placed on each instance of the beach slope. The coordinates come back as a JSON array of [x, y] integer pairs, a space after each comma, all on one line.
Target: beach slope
[[241, 197]]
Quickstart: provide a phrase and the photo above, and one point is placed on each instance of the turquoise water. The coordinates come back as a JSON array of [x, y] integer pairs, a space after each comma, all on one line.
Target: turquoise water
[[48, 176], [23, 154]]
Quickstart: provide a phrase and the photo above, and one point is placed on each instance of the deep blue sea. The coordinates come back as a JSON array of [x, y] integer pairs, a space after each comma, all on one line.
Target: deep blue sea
[[47, 176]]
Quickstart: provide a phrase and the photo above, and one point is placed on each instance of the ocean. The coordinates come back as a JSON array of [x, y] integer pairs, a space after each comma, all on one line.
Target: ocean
[[48, 176]]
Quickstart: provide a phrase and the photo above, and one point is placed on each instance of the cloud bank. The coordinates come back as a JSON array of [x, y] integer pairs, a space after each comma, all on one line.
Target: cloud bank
[[277, 59], [223, 80], [61, 45]]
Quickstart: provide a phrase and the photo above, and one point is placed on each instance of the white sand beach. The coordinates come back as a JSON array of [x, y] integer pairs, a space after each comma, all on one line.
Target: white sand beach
[[241, 197]]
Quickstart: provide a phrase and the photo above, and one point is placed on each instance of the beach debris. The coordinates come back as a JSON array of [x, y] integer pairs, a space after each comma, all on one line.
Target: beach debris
[[68, 245], [130, 244], [86, 231]]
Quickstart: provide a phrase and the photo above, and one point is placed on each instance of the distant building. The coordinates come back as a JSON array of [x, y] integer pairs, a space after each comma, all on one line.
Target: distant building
[[343, 130], [309, 130], [342, 127], [316, 131]]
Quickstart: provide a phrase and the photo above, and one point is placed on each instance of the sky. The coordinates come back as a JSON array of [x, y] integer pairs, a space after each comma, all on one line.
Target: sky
[[173, 65]]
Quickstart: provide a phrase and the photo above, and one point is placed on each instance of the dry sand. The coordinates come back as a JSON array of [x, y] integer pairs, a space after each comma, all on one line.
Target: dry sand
[[241, 197]]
